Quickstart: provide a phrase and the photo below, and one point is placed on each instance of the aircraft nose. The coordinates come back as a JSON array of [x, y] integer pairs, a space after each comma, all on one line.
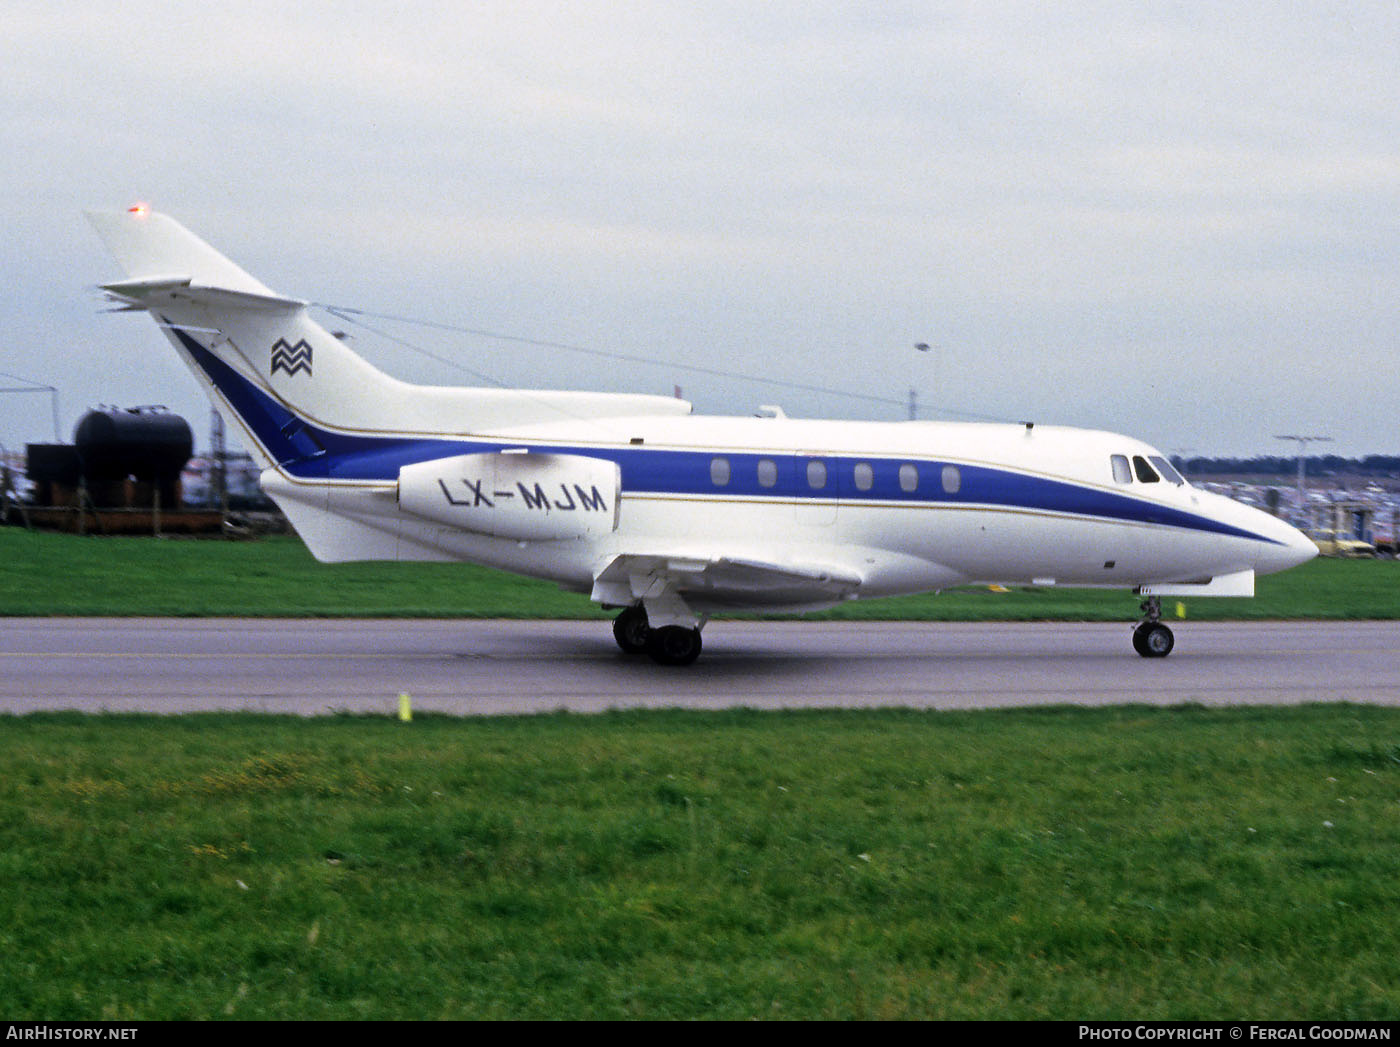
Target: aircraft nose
[[1289, 548]]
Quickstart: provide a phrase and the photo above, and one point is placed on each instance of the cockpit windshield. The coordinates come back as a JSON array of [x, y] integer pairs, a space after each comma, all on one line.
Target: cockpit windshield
[[1159, 469], [1165, 468]]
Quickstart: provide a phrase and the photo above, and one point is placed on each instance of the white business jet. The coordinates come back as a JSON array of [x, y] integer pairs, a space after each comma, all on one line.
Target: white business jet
[[666, 515]]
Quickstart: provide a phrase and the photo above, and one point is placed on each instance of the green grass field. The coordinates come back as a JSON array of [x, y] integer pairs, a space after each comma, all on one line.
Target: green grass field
[[51, 574], [1130, 863]]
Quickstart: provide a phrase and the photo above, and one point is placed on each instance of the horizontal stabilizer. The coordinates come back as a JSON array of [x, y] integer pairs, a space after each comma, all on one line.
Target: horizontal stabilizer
[[136, 289], [153, 292]]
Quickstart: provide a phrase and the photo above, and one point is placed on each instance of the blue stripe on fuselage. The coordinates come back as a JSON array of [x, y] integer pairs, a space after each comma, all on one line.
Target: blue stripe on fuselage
[[310, 452]]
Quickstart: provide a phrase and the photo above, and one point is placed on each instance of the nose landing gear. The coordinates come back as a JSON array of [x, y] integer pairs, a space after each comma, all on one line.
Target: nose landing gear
[[1151, 638]]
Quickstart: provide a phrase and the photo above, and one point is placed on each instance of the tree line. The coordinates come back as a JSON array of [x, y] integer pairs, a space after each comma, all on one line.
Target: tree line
[[1280, 465]]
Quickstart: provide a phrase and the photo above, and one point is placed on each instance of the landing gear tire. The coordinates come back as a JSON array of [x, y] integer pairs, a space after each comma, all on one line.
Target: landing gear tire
[[673, 645], [630, 630], [1153, 640]]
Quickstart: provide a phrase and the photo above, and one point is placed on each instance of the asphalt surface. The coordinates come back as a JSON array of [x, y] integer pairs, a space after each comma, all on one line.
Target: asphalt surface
[[484, 667]]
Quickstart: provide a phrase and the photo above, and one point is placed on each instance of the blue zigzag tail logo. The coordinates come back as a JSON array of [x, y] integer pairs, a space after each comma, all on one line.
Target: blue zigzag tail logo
[[291, 358]]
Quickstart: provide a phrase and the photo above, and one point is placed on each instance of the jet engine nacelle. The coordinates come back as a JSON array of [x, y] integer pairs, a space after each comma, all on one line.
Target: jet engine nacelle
[[527, 497]]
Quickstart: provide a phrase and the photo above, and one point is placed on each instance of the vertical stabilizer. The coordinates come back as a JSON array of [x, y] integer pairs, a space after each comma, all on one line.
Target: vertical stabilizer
[[278, 377], [290, 387], [148, 245]]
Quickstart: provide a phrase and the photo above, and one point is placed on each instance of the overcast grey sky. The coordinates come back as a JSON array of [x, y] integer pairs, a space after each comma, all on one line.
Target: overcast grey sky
[[1174, 220]]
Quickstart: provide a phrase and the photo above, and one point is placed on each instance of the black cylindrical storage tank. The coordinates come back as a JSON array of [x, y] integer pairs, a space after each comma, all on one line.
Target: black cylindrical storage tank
[[149, 444]]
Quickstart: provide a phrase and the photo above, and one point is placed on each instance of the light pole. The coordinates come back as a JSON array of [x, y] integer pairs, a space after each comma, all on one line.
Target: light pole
[[922, 347], [1303, 442]]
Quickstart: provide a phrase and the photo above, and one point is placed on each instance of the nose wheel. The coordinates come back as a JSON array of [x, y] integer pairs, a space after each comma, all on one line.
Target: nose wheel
[[1151, 638]]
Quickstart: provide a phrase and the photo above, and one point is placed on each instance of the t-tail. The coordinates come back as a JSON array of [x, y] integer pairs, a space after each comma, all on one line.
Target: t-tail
[[289, 385], [294, 389]]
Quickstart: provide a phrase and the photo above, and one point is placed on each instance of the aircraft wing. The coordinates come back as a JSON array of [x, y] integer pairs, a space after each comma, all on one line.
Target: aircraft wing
[[722, 582]]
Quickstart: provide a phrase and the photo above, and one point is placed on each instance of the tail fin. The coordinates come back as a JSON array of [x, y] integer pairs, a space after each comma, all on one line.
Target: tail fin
[[291, 387], [150, 246], [286, 382]]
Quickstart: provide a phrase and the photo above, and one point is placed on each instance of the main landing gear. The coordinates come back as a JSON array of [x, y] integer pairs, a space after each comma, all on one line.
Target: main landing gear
[[1151, 638], [667, 644]]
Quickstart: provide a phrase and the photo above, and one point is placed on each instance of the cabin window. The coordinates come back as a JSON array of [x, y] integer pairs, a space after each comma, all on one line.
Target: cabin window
[[1144, 471], [952, 479], [1121, 472], [719, 471], [816, 473], [1167, 470], [864, 476], [767, 472], [908, 478]]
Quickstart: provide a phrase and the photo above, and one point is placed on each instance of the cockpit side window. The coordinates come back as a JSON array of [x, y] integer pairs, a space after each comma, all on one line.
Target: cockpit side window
[[1144, 471], [1121, 473]]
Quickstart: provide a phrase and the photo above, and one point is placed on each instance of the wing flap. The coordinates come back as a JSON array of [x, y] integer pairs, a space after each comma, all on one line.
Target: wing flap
[[722, 582]]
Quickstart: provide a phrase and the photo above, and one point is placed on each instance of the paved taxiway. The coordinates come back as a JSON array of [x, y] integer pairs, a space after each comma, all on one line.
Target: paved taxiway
[[320, 666]]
